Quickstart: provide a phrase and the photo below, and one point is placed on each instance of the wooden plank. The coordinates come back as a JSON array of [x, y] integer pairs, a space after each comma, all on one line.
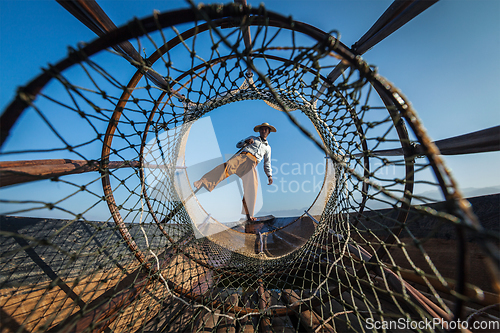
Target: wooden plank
[[283, 323], [484, 298], [210, 321], [175, 315], [16, 172], [354, 302], [198, 321], [116, 302], [311, 321], [263, 302], [225, 324], [246, 323], [154, 311], [181, 318], [41, 299]]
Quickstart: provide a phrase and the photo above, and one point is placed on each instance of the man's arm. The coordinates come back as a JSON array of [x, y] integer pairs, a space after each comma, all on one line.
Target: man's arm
[[243, 142], [267, 166]]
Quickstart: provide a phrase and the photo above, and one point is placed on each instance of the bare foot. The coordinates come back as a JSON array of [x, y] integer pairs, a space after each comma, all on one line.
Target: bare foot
[[197, 184], [252, 219]]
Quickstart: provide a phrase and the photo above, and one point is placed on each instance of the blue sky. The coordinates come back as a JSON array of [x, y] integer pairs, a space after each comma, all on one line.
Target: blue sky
[[445, 61]]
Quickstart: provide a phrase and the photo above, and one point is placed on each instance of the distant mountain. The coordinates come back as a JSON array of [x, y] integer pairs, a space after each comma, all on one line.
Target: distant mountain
[[471, 192]]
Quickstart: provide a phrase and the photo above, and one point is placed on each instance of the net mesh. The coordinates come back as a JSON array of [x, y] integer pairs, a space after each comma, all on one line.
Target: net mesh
[[389, 238]]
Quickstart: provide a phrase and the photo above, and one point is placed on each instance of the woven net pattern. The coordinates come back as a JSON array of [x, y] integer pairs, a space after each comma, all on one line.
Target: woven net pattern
[[389, 238]]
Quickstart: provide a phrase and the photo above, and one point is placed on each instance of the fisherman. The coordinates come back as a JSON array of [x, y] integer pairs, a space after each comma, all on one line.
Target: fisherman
[[255, 148]]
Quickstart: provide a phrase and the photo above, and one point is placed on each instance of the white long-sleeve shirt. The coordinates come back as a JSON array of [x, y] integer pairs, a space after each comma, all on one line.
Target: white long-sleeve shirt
[[261, 149]]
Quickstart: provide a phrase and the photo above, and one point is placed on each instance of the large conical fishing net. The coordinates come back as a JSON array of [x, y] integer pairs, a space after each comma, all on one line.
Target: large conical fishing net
[[389, 241]]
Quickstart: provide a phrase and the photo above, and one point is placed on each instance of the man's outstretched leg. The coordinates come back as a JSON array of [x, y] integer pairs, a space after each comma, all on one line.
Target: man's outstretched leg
[[212, 178], [239, 164]]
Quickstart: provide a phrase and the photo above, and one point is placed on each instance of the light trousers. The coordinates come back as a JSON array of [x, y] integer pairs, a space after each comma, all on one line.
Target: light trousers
[[243, 165]]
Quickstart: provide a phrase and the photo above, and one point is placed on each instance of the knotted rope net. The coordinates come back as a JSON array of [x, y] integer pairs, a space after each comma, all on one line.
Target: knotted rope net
[[375, 246]]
